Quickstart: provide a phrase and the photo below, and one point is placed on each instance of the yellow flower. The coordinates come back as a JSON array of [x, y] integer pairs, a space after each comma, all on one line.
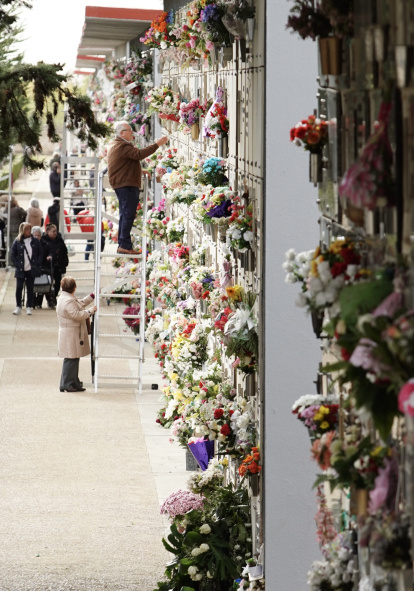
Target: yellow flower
[[314, 268], [318, 416], [376, 451], [178, 395], [216, 388], [324, 410], [224, 462], [324, 425]]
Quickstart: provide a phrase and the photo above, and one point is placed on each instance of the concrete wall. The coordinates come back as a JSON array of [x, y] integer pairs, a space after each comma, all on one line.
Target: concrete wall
[[291, 350]]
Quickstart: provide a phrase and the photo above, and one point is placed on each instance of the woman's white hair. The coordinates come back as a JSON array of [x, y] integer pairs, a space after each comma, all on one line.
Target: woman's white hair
[[120, 126], [34, 202]]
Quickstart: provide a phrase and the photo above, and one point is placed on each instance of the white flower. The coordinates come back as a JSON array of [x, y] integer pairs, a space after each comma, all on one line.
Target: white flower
[[290, 278], [192, 570], [204, 548], [248, 236], [205, 529], [195, 552], [198, 577], [301, 300], [290, 254], [209, 575], [163, 45], [236, 234], [288, 267]]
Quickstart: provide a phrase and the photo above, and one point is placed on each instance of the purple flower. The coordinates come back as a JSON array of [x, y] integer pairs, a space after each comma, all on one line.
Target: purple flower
[[210, 13], [220, 211]]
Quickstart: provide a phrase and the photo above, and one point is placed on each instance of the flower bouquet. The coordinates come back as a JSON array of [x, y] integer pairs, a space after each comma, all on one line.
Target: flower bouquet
[[190, 114], [311, 134], [216, 123], [214, 206], [213, 172], [318, 414], [202, 450], [212, 24], [250, 464], [165, 102], [156, 222], [175, 230], [324, 274], [159, 34], [240, 332], [239, 231]]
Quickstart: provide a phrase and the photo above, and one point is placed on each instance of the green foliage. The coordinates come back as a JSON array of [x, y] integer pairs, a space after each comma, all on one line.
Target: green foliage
[[18, 123], [226, 512]]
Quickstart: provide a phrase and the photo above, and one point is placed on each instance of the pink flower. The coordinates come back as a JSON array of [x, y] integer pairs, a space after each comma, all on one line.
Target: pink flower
[[209, 45], [406, 398]]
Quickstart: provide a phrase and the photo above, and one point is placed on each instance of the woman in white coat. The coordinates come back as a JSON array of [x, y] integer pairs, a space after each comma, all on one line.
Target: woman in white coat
[[73, 341]]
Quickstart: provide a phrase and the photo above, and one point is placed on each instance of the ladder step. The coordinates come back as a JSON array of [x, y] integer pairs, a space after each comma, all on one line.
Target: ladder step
[[110, 356], [118, 377], [119, 255], [116, 295], [117, 336], [120, 276], [118, 316]]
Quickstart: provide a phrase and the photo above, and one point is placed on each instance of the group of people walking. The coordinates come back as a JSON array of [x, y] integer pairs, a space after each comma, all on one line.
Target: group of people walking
[[34, 253]]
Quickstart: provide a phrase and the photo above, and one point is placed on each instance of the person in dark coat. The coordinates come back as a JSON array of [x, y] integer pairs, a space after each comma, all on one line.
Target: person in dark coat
[[26, 253], [54, 250], [54, 180], [53, 215]]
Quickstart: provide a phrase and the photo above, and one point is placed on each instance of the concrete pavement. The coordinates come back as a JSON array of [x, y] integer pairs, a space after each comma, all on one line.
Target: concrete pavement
[[81, 475]]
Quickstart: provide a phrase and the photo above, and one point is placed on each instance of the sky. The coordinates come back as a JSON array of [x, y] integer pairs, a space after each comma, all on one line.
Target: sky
[[53, 28]]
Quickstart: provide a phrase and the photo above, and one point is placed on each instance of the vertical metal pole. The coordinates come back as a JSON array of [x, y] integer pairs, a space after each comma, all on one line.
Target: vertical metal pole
[[98, 225], [143, 301], [62, 226], [9, 198]]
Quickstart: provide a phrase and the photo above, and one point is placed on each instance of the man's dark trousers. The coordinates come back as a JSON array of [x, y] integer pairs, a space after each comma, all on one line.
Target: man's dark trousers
[[128, 198]]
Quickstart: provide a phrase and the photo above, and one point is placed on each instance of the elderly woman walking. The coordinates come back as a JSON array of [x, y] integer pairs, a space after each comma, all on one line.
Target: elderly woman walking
[[26, 254], [73, 341], [34, 215]]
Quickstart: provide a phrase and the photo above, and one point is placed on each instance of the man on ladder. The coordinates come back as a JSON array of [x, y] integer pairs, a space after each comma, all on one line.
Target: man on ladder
[[125, 177]]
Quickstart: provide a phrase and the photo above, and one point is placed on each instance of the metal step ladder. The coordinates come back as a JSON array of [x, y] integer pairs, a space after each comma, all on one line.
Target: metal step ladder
[[130, 343]]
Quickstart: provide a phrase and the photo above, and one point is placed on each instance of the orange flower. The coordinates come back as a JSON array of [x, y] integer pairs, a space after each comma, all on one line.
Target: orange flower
[[242, 470], [248, 459]]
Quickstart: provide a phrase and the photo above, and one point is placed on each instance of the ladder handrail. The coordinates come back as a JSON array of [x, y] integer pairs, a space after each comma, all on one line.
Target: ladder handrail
[[143, 286], [98, 224]]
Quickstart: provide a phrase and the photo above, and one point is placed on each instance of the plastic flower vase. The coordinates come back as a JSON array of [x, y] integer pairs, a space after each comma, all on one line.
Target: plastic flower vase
[[203, 452], [317, 322]]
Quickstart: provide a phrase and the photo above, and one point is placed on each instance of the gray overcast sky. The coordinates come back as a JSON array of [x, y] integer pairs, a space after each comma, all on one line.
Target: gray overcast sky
[[53, 28]]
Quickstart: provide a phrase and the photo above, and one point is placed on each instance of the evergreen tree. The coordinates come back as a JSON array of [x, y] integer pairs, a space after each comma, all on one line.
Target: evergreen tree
[[19, 124]]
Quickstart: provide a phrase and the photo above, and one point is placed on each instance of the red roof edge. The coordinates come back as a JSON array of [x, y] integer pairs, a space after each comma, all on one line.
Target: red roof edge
[[136, 14], [90, 57], [83, 73]]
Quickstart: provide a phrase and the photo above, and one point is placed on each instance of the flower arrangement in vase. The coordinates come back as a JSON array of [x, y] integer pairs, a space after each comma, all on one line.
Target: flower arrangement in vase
[[212, 172], [239, 231], [311, 134], [159, 34]]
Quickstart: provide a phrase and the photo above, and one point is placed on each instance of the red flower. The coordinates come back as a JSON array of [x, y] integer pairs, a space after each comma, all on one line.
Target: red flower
[[218, 413], [338, 269], [231, 412], [225, 430], [345, 354], [300, 132]]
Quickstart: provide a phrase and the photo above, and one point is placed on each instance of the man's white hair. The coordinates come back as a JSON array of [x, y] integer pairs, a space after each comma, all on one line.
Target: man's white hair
[[120, 126]]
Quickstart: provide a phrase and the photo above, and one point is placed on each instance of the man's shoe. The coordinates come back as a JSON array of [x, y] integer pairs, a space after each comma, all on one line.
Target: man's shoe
[[29, 311], [121, 250], [81, 389], [17, 311], [69, 390]]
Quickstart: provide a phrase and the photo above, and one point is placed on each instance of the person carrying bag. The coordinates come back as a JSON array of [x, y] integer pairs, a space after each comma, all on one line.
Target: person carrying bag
[[26, 255]]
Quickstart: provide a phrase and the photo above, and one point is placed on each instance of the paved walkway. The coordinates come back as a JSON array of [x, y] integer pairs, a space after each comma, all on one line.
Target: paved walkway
[[81, 475]]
